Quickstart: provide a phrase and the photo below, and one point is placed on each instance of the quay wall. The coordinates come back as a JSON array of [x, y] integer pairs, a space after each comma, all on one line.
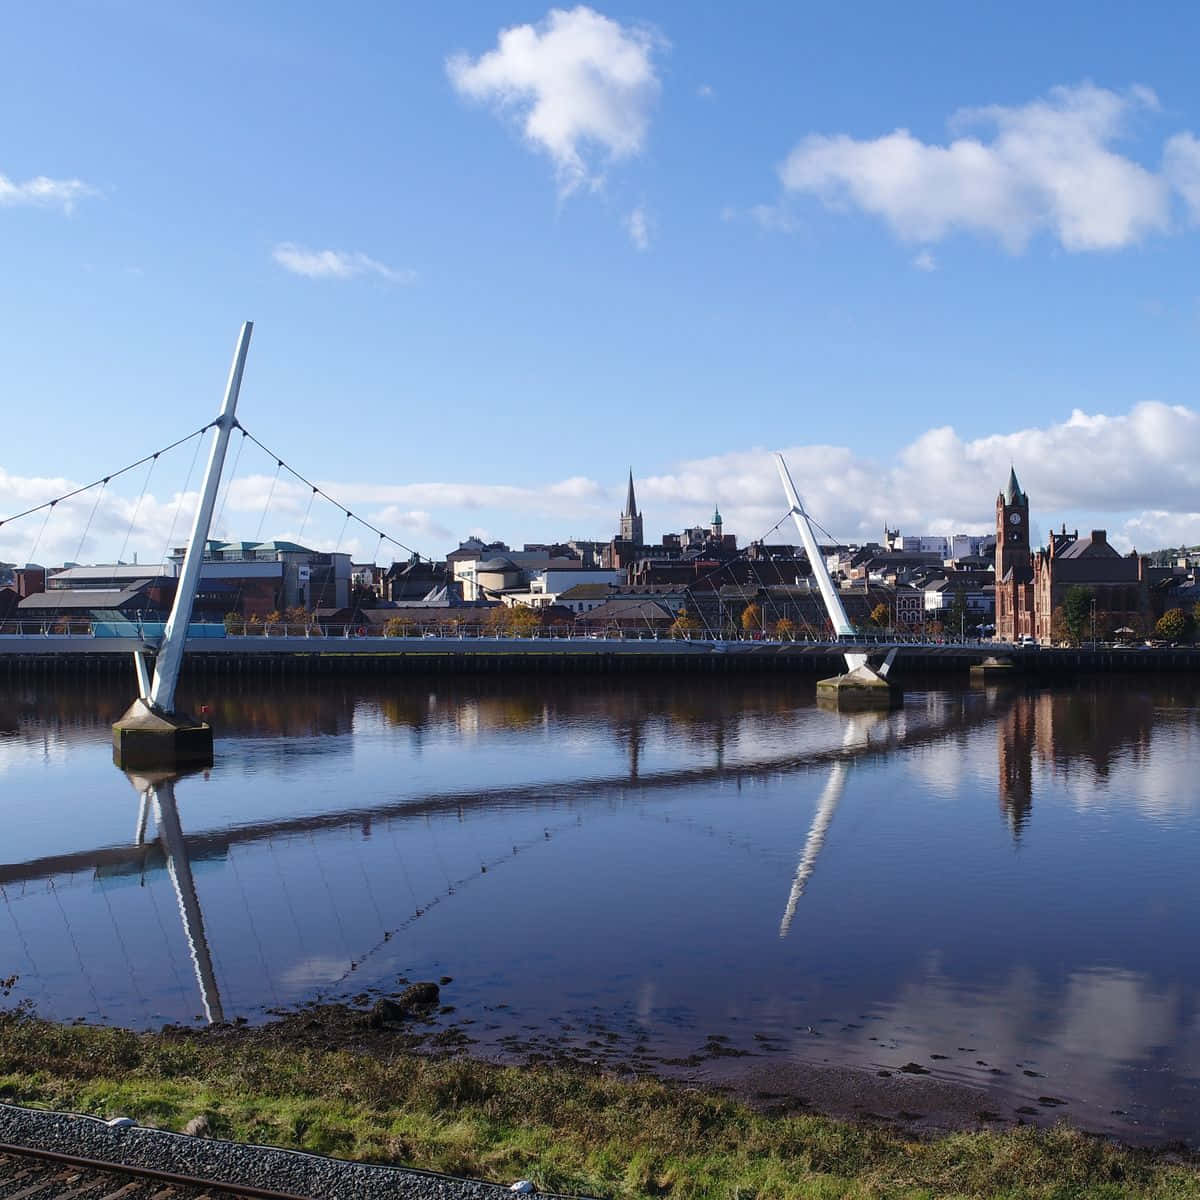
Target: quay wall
[[71, 656]]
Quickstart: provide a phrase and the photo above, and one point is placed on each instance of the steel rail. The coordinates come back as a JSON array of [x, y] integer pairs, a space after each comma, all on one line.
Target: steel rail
[[168, 1177]]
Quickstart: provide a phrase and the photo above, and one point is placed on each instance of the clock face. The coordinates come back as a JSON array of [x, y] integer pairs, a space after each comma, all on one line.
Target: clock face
[[1014, 518]]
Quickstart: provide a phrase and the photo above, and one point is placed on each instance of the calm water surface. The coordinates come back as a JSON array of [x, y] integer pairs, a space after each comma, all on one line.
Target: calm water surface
[[1006, 879]]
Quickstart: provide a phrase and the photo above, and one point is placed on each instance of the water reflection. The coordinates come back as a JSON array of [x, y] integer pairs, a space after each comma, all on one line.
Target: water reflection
[[542, 843], [156, 792], [857, 726], [1079, 737]]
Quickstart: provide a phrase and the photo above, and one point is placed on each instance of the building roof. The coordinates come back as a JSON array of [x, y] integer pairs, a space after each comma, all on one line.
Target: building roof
[[1013, 493], [629, 608], [1095, 546], [76, 598], [122, 571], [499, 564], [630, 499], [285, 547], [587, 591]]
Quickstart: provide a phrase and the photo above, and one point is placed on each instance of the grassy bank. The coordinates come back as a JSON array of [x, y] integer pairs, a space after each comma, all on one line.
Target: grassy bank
[[567, 1130]]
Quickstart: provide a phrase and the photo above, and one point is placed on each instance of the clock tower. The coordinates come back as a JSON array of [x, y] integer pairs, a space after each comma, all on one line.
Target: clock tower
[[1012, 533]]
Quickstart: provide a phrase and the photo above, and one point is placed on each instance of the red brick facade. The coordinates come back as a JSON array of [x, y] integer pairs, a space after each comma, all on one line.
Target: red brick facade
[[1031, 586]]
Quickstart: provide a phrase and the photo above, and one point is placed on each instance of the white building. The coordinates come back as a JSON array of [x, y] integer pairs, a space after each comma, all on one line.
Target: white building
[[546, 585]]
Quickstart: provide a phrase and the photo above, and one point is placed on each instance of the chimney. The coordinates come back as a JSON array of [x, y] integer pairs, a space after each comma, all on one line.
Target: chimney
[[1099, 537]]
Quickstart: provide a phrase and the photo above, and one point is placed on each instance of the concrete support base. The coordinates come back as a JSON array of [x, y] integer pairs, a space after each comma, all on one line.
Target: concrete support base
[[862, 688], [144, 738], [995, 669]]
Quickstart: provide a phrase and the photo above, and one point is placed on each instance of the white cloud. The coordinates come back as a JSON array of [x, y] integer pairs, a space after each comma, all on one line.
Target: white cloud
[[1048, 167], [335, 264], [774, 218], [438, 497], [1181, 165], [638, 226], [42, 192], [577, 82], [925, 261], [1136, 473], [705, 91], [417, 522]]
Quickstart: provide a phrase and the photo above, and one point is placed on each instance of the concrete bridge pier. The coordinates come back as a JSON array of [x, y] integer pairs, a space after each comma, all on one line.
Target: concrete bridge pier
[[145, 738], [859, 689]]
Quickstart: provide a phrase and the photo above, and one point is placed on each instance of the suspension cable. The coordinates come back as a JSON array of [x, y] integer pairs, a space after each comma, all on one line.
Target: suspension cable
[[107, 478], [137, 508], [335, 502]]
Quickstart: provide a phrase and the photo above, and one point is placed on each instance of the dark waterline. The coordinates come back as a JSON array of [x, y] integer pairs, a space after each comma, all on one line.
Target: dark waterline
[[997, 885]]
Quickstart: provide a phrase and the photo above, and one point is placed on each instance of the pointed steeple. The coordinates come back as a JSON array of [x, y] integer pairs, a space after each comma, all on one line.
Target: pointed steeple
[[716, 517], [1013, 493], [631, 519]]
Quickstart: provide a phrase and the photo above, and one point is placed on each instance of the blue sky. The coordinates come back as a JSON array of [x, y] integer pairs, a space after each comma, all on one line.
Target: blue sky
[[670, 236]]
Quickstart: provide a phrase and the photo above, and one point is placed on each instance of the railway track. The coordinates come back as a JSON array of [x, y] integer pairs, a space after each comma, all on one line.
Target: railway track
[[41, 1175]]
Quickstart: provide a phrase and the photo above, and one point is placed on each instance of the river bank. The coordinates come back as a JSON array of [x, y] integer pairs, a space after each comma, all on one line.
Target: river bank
[[367, 1085]]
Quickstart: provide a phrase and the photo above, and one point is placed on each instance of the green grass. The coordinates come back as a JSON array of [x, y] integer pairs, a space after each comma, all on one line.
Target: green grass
[[567, 1130]]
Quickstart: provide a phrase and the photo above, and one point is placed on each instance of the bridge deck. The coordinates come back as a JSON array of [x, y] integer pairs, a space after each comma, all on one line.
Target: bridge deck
[[85, 644]]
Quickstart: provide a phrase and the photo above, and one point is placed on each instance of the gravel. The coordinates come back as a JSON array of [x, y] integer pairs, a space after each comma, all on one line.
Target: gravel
[[231, 1162]]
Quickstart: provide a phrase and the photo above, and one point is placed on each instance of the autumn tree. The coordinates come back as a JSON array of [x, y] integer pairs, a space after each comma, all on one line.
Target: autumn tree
[[521, 621], [881, 615], [297, 615], [752, 620], [1173, 625], [394, 627], [683, 625], [785, 629]]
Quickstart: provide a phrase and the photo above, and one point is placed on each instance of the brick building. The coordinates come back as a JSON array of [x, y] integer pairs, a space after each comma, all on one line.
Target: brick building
[[1031, 586]]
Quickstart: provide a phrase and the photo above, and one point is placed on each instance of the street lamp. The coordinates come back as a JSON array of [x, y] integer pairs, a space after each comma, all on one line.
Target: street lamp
[[1093, 622]]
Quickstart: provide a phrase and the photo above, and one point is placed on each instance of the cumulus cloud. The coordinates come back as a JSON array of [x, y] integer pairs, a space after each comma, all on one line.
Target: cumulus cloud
[[1136, 473], [638, 226], [1181, 164], [577, 83], [42, 192], [1048, 166], [335, 264], [415, 521]]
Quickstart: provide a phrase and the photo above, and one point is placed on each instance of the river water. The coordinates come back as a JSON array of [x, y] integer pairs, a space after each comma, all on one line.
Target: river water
[[1000, 885]]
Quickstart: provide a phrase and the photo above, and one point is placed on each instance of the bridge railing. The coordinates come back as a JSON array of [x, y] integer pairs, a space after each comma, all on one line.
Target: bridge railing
[[151, 631]]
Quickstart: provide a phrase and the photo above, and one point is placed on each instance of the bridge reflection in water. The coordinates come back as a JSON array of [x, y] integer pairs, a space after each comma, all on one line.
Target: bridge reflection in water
[[157, 795]]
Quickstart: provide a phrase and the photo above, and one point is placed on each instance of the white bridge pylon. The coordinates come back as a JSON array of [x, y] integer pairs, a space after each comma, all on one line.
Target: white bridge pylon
[[829, 594]]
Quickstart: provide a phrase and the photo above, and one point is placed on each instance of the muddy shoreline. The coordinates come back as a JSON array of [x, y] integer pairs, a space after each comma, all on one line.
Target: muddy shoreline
[[909, 1098]]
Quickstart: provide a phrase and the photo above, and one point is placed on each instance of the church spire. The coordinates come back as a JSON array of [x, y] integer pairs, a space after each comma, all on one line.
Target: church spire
[[630, 500], [1013, 493], [631, 519]]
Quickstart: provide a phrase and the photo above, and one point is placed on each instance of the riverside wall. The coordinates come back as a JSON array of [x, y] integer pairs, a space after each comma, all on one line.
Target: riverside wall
[[73, 656]]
